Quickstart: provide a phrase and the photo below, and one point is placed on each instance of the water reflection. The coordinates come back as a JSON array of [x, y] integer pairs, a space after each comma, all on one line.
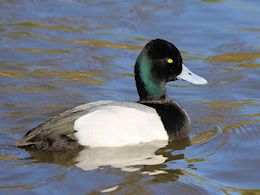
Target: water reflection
[[150, 158], [126, 158]]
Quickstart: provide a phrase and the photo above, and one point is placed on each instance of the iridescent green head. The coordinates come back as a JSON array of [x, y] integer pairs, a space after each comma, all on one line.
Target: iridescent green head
[[158, 63]]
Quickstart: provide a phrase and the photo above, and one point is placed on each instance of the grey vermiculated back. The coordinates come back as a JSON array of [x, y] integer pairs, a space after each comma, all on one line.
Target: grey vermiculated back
[[59, 129], [61, 124]]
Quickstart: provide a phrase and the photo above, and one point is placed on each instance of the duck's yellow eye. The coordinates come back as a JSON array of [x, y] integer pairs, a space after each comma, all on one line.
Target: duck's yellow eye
[[170, 61]]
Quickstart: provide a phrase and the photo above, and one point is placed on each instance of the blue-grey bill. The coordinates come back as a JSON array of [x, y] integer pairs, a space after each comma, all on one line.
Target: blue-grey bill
[[190, 77]]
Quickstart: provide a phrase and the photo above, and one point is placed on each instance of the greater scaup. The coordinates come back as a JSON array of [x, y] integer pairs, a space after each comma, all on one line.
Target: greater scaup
[[109, 123]]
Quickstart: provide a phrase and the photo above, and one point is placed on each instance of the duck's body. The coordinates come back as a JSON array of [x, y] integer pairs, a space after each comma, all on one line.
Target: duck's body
[[109, 123]]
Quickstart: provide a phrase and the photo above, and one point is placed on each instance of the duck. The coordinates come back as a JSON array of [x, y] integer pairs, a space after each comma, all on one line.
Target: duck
[[108, 123]]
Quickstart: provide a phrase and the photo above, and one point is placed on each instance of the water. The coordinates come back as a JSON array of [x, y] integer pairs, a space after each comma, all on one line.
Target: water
[[57, 54]]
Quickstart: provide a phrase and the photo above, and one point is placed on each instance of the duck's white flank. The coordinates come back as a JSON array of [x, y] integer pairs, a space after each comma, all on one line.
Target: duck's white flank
[[119, 124]]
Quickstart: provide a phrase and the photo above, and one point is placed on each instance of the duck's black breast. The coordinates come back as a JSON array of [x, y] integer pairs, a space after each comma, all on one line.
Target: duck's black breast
[[175, 120]]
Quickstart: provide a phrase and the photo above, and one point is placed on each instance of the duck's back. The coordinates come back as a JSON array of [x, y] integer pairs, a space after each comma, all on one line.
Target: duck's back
[[58, 132], [97, 124]]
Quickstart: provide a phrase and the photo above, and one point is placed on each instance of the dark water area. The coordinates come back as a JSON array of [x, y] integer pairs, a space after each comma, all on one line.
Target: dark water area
[[58, 54]]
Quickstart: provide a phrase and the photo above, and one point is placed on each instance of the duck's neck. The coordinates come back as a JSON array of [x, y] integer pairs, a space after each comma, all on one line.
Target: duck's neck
[[148, 86]]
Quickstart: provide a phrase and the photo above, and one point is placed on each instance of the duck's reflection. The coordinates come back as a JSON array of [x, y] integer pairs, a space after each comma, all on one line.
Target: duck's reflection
[[127, 158], [148, 157]]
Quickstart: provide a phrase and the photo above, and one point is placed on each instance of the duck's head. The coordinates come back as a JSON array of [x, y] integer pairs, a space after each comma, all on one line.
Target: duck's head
[[158, 63]]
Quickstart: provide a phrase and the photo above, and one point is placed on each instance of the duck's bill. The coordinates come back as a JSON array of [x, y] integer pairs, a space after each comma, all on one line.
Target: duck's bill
[[189, 76]]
